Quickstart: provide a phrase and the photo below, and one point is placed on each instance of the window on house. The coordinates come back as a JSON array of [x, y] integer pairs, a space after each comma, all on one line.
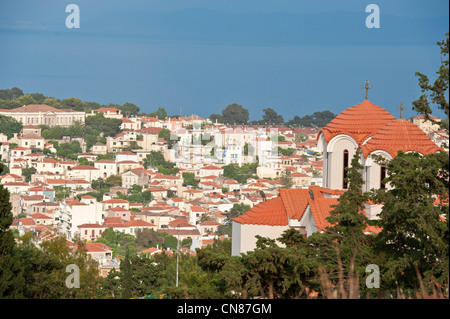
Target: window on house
[[382, 176], [345, 165]]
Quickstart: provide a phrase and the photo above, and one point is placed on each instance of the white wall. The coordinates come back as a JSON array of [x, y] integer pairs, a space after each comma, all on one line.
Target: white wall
[[335, 159], [243, 236]]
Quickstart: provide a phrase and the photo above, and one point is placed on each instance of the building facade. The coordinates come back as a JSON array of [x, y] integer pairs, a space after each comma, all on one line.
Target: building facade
[[37, 114]]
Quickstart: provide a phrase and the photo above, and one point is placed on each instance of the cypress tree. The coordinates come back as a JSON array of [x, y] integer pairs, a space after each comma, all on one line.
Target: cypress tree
[[11, 273]]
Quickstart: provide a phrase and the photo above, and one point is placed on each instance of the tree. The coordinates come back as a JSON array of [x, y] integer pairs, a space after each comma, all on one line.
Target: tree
[[236, 211], [68, 150], [286, 179], [97, 124], [9, 126], [414, 236], [301, 137], [27, 172], [317, 119], [189, 179], [165, 134], [11, 94], [160, 113], [216, 117], [281, 272], [113, 180], [156, 159], [438, 90], [240, 174], [75, 104], [129, 109], [235, 114], [344, 247], [26, 99], [271, 117], [11, 271]]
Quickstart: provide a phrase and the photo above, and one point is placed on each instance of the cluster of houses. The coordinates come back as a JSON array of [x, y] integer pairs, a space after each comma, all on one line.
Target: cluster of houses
[[53, 200]]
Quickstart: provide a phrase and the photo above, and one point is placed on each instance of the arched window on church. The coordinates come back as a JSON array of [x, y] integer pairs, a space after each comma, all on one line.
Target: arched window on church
[[382, 176], [345, 161]]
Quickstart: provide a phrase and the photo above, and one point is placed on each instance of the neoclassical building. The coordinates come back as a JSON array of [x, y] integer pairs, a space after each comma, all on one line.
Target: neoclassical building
[[36, 114]]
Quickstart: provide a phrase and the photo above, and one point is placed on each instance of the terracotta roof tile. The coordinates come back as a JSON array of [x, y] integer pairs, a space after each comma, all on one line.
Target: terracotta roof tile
[[400, 135], [359, 121], [271, 212], [295, 201], [32, 108]]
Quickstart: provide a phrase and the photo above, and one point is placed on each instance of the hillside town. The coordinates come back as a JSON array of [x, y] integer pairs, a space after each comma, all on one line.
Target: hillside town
[[182, 176]]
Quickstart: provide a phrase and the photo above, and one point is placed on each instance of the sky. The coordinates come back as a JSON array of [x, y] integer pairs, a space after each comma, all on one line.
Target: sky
[[198, 56]]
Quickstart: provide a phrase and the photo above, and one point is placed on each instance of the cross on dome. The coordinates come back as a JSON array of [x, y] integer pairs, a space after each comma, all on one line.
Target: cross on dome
[[367, 87]]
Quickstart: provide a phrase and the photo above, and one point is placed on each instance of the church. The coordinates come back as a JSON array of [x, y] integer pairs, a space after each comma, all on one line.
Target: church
[[366, 127]]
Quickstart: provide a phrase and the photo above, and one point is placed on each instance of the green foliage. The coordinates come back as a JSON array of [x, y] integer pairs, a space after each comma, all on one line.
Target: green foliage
[[129, 109], [11, 269], [240, 174], [271, 117], [137, 195], [113, 180], [437, 91], [156, 159], [11, 94], [68, 150], [27, 172], [189, 179], [160, 113], [234, 114], [286, 179], [317, 119], [120, 242], [9, 126], [97, 124], [138, 277], [236, 211], [413, 234], [286, 152], [62, 192]]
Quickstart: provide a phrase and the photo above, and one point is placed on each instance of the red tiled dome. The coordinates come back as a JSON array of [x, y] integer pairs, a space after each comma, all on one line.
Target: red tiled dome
[[359, 121], [400, 135]]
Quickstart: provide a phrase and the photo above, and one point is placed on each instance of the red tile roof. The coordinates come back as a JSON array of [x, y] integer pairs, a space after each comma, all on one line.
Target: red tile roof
[[211, 167], [149, 130], [84, 167], [138, 223], [126, 153], [400, 135], [115, 201], [106, 109], [180, 222], [359, 121], [39, 216], [33, 108], [96, 247], [295, 201], [271, 212]]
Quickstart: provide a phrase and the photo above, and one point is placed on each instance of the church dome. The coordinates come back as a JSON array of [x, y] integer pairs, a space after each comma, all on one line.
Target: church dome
[[400, 135], [359, 122]]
